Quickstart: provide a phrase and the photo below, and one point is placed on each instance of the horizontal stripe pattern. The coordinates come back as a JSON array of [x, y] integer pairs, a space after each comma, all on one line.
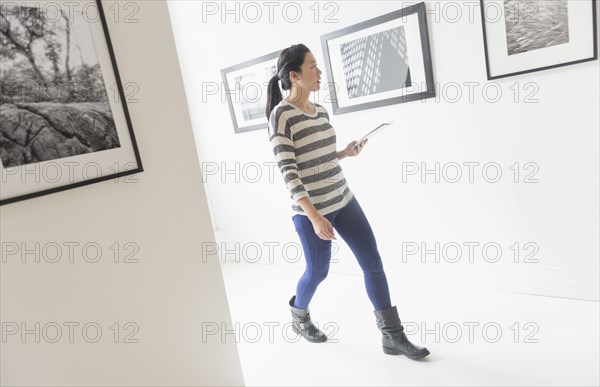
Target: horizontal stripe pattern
[[304, 146]]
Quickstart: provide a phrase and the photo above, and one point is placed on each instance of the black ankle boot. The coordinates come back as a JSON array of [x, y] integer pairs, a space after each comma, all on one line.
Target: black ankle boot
[[394, 340], [302, 324]]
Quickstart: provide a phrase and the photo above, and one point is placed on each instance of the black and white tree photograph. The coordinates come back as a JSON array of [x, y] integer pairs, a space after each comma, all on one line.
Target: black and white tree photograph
[[535, 24], [63, 106], [53, 99]]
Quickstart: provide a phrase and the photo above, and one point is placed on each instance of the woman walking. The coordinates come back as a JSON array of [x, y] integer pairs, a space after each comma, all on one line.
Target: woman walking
[[304, 145]]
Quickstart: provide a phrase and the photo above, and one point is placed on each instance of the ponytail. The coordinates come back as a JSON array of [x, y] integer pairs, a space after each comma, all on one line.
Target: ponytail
[[273, 95]]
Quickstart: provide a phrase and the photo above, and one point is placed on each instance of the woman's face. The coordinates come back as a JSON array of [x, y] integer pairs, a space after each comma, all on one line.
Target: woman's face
[[311, 74]]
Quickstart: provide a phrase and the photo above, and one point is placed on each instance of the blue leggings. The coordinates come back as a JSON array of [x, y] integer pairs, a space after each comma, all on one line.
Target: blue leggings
[[352, 225]]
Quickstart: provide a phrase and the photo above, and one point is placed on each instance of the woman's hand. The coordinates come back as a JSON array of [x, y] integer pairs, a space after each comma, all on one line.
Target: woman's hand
[[321, 225], [351, 150], [323, 228]]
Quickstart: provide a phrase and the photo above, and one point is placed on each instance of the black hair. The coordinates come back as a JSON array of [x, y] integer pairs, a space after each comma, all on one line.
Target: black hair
[[290, 59]]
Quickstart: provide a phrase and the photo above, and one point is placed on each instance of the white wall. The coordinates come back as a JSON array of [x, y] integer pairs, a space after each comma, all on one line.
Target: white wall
[[558, 134], [169, 294]]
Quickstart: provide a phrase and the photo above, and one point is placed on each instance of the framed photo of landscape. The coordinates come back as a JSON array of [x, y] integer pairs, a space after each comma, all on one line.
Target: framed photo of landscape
[[381, 61], [523, 36], [246, 84], [64, 121]]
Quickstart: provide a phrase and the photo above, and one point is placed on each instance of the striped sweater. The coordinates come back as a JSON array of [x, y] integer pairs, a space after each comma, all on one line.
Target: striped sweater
[[304, 146]]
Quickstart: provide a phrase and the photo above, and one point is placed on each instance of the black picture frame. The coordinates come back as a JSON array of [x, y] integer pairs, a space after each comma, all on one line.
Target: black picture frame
[[409, 35], [497, 68], [121, 158], [248, 110]]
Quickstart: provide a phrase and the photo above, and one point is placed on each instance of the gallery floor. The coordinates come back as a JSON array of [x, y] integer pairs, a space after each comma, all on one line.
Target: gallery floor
[[475, 337]]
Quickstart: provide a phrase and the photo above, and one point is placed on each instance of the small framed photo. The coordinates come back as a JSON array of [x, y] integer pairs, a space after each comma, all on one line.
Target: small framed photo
[[64, 121], [246, 84], [523, 36], [381, 61]]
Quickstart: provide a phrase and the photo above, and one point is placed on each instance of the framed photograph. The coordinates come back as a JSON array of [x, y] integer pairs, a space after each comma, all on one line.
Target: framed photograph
[[64, 121], [523, 36], [246, 84], [381, 61]]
